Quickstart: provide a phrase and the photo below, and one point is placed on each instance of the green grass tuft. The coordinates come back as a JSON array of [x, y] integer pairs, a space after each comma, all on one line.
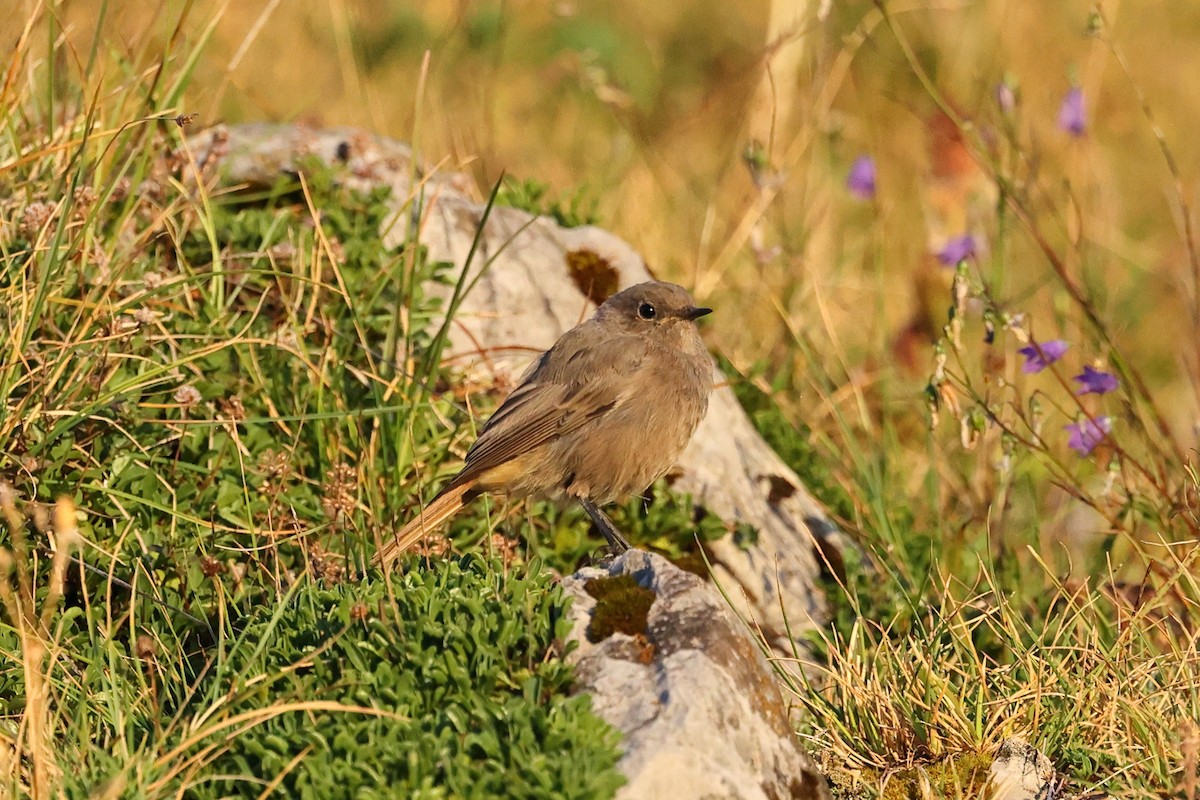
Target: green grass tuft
[[570, 210]]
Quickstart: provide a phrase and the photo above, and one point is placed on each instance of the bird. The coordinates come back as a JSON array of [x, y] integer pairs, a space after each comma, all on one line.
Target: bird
[[598, 417]]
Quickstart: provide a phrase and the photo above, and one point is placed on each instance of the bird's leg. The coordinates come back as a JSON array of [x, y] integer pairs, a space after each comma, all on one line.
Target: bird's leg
[[616, 541]]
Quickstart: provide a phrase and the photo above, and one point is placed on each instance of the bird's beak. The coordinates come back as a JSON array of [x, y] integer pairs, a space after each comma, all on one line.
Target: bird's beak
[[696, 313]]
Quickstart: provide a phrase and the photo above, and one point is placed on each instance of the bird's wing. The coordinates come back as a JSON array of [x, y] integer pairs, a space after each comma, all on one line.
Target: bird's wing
[[574, 382]]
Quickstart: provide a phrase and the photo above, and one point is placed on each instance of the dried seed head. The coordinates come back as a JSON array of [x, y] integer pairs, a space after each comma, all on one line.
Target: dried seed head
[[282, 251], [341, 492], [187, 395], [120, 190], [121, 326], [210, 567], [274, 464], [152, 189], [35, 217], [145, 316], [504, 547], [144, 647], [325, 566], [233, 409], [336, 251], [83, 198], [436, 545]]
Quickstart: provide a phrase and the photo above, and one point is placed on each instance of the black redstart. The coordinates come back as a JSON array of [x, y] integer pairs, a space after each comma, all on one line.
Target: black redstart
[[599, 416]]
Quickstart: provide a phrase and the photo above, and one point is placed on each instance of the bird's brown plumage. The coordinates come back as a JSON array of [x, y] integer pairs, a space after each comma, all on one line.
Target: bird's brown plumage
[[599, 416]]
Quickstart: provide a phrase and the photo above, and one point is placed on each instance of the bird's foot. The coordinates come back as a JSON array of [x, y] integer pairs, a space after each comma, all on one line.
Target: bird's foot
[[617, 544]]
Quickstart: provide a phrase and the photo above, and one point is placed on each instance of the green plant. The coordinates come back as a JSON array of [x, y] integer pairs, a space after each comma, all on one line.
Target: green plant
[[571, 210], [448, 684]]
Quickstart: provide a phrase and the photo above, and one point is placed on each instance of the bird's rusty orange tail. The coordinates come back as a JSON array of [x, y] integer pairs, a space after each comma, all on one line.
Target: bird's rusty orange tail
[[444, 506]]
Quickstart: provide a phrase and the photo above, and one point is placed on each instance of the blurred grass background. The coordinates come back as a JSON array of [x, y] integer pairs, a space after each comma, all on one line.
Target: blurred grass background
[[828, 302], [650, 110]]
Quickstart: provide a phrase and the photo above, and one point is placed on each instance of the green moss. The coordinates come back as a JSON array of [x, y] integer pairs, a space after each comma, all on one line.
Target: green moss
[[963, 775], [621, 607]]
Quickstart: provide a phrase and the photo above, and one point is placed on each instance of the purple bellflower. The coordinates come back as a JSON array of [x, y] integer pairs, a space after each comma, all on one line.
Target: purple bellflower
[[861, 180], [1006, 97], [1072, 114], [960, 248], [1040, 356], [1087, 433], [1096, 381]]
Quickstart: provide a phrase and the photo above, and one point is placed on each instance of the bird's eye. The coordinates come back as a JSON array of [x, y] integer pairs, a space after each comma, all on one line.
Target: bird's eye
[[646, 311]]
